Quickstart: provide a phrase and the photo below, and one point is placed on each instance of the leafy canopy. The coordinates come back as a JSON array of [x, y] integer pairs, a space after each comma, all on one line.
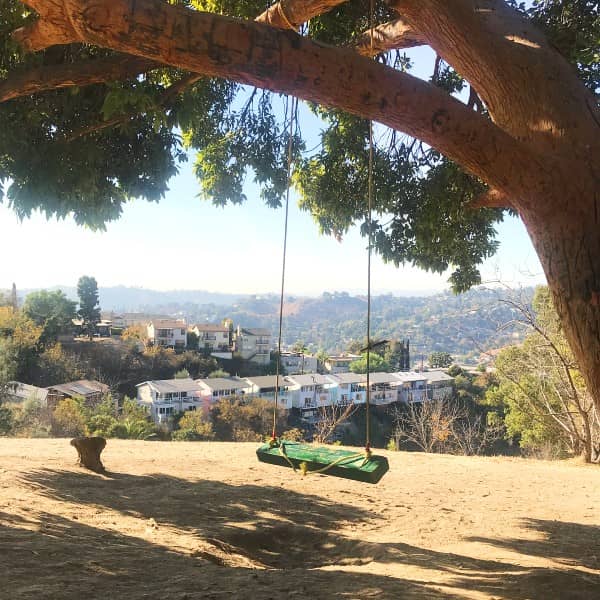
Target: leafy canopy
[[87, 151]]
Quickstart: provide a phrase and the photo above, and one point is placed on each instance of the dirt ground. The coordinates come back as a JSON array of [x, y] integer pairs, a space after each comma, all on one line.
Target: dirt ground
[[206, 520]]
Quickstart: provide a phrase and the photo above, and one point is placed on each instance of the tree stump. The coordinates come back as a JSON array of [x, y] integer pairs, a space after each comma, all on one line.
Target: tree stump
[[89, 450]]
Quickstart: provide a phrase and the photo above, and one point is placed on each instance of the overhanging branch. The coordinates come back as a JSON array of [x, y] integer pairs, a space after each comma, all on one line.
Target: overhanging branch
[[51, 77], [395, 35], [292, 13], [259, 55]]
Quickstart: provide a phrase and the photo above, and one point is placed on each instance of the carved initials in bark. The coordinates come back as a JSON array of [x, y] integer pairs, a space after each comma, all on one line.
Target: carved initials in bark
[[89, 450]]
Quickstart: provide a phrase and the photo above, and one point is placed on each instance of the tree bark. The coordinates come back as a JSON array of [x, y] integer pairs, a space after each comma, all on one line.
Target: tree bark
[[89, 450], [52, 77]]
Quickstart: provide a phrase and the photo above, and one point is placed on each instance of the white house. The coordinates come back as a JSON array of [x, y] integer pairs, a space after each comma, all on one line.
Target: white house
[[297, 363], [168, 333], [216, 388], [211, 338], [340, 363], [254, 344], [264, 387], [351, 387], [413, 387], [165, 397], [439, 385], [310, 392]]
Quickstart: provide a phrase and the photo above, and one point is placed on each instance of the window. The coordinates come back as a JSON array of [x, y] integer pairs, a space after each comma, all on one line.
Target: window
[[183, 394], [183, 332]]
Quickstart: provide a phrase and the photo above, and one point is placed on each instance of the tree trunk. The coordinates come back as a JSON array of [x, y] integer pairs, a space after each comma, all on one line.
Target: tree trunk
[[568, 245], [89, 450]]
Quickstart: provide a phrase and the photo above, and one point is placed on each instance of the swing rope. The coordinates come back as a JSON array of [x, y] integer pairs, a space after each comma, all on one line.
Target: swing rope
[[369, 252], [274, 442], [292, 111]]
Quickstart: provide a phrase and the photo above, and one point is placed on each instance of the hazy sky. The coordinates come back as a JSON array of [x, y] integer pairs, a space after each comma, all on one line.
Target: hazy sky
[[185, 242]]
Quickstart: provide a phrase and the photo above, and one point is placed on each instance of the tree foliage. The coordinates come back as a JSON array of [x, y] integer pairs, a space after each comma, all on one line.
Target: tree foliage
[[543, 396], [86, 151], [89, 308], [52, 311], [440, 360], [376, 363]]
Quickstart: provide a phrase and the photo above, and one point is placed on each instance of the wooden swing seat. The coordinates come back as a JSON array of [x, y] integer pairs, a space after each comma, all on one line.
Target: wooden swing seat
[[325, 460]]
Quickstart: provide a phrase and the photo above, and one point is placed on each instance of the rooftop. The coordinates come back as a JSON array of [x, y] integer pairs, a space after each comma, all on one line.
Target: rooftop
[[168, 324], [165, 386], [82, 387], [309, 379], [268, 381], [210, 327], [255, 331], [224, 383]]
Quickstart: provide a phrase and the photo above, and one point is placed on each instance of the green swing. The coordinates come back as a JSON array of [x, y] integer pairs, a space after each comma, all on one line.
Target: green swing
[[359, 466]]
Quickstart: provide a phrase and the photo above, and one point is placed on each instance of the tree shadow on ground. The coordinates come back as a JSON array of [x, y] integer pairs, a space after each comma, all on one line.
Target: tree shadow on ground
[[283, 531], [61, 558]]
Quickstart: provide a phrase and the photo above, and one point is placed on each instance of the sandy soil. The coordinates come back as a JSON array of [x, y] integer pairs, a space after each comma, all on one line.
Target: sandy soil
[[206, 520]]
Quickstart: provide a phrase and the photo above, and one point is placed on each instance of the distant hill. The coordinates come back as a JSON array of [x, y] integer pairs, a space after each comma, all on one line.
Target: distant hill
[[463, 325], [129, 299]]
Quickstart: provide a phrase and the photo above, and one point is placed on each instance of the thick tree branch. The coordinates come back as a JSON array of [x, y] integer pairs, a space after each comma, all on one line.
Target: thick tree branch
[[492, 199], [51, 29], [290, 14], [395, 35], [263, 56], [50, 77]]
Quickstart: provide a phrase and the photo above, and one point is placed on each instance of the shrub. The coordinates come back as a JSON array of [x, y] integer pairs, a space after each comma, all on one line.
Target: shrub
[[193, 427], [68, 419]]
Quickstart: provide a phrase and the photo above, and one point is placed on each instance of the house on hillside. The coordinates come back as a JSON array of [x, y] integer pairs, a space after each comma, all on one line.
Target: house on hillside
[[217, 388], [413, 387], [168, 333], [298, 363], [340, 363], [264, 386], [253, 345], [165, 397], [439, 384], [92, 392], [212, 338], [19, 392], [351, 387], [310, 392]]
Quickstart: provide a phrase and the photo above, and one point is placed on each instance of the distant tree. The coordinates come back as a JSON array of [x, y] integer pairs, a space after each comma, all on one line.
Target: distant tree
[[238, 420], [218, 373], [192, 340], [68, 418], [440, 360], [196, 364], [89, 308], [55, 365], [136, 334], [19, 345], [193, 426], [182, 374], [52, 311], [6, 415], [376, 363], [541, 390]]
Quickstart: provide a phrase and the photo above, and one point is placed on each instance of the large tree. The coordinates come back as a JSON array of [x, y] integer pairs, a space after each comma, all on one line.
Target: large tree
[[95, 90], [51, 310], [89, 309]]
